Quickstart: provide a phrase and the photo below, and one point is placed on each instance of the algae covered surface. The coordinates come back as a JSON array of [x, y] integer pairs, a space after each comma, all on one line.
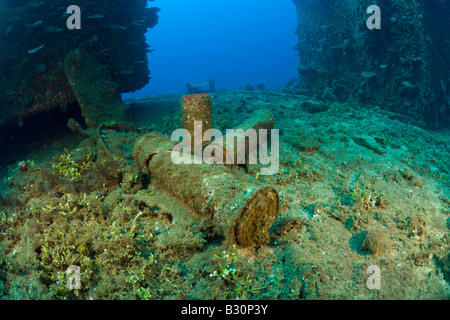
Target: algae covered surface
[[358, 190]]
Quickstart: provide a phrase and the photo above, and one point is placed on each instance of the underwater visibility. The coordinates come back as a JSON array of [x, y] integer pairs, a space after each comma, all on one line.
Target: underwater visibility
[[233, 171]]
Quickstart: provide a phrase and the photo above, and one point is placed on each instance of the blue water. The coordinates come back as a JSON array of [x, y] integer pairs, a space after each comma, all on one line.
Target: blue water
[[232, 42]]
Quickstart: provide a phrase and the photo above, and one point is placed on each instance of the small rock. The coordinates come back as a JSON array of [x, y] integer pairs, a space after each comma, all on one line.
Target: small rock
[[23, 166], [374, 242], [311, 106]]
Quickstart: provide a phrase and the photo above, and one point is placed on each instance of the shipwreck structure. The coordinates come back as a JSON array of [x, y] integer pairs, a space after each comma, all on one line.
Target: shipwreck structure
[[46, 65], [402, 67]]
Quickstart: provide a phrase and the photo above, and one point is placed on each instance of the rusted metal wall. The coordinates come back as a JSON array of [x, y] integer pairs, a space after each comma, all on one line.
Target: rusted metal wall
[[35, 40], [402, 67]]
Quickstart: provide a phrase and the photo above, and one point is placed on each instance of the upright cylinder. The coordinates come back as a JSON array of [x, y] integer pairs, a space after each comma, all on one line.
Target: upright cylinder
[[196, 107]]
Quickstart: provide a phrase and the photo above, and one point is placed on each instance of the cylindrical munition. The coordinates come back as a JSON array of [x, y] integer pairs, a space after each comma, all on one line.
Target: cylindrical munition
[[241, 214], [240, 145], [196, 116], [260, 119]]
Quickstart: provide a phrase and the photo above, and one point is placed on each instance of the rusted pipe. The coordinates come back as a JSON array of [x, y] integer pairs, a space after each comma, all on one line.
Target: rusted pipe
[[242, 213]]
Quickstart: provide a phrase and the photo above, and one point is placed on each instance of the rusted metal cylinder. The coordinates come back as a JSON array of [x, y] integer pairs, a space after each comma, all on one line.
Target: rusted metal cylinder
[[260, 119], [245, 138], [196, 108], [237, 210]]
